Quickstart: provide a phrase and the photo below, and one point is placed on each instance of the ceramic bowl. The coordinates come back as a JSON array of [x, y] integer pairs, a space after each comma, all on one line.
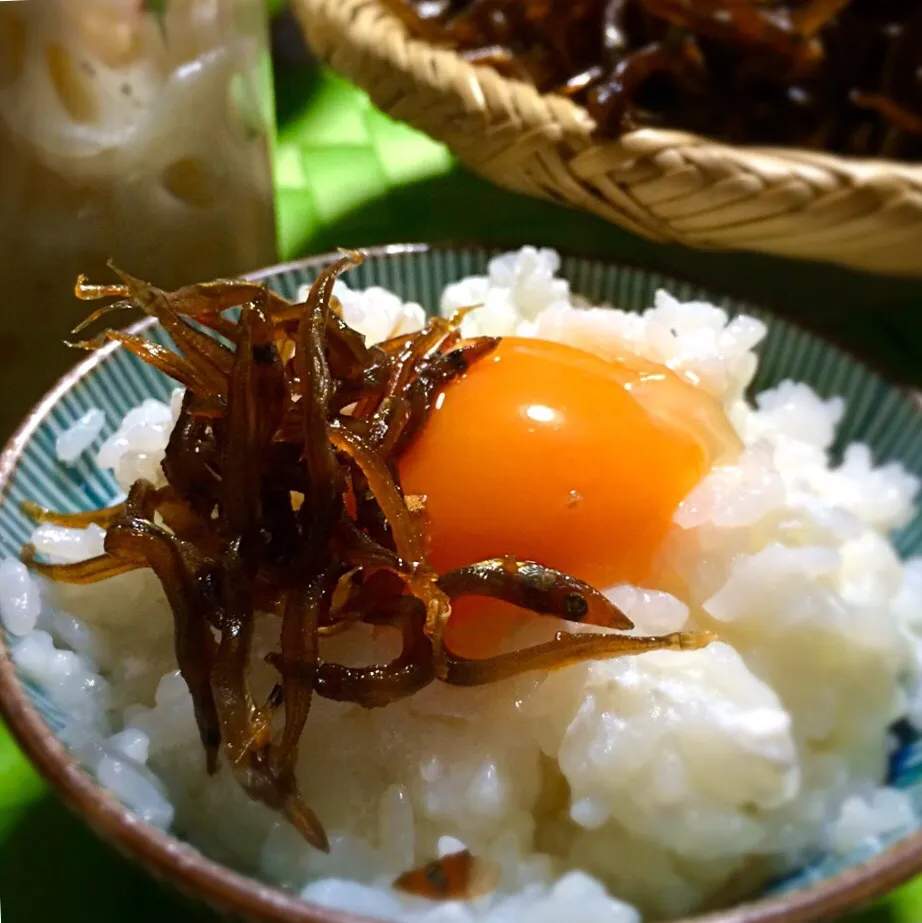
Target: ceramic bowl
[[882, 415]]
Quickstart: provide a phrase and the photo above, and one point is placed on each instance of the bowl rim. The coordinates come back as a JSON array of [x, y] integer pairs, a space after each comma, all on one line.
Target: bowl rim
[[195, 875]]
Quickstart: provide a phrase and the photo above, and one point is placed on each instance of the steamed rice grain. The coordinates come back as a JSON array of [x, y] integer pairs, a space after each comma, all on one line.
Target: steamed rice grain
[[76, 439]]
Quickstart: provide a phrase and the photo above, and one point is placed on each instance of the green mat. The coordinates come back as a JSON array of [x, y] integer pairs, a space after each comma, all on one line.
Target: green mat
[[347, 175]]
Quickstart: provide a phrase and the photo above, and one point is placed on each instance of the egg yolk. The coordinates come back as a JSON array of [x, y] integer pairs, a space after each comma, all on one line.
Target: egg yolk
[[548, 453]]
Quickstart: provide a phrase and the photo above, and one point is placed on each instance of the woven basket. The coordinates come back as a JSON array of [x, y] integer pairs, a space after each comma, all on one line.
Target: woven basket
[[665, 185]]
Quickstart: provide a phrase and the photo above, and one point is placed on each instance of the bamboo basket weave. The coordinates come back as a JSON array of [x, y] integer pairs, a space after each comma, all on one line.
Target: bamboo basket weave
[[665, 185]]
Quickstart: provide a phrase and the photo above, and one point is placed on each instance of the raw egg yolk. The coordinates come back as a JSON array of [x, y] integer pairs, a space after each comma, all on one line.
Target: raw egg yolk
[[548, 453]]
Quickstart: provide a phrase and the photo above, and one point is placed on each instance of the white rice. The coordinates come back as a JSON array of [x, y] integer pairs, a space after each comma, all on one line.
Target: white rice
[[645, 786], [136, 448], [20, 601], [76, 439]]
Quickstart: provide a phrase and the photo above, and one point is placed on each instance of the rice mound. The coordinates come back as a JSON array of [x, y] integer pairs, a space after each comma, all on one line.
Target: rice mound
[[652, 785]]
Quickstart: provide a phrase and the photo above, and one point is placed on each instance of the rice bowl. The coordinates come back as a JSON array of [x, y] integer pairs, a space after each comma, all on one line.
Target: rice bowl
[[671, 779]]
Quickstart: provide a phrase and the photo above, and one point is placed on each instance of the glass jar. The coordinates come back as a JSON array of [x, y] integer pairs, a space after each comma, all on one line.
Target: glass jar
[[136, 130]]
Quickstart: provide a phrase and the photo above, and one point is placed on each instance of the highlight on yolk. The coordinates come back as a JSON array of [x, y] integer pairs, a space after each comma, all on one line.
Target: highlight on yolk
[[548, 453]]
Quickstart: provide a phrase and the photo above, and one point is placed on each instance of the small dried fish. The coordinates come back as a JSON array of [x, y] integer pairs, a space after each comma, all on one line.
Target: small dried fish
[[837, 75], [280, 504], [456, 877]]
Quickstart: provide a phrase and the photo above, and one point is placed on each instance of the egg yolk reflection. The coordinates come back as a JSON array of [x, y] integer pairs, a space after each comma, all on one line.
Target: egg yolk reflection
[[549, 453]]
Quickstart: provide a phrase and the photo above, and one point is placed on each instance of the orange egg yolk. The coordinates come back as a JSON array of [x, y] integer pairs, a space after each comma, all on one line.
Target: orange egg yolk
[[548, 453]]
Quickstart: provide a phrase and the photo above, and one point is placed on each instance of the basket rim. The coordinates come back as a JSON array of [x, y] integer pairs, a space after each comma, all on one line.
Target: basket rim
[[194, 874], [861, 170], [658, 137]]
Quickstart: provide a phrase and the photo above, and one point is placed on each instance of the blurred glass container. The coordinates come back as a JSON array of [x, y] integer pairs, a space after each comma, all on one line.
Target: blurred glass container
[[137, 130]]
